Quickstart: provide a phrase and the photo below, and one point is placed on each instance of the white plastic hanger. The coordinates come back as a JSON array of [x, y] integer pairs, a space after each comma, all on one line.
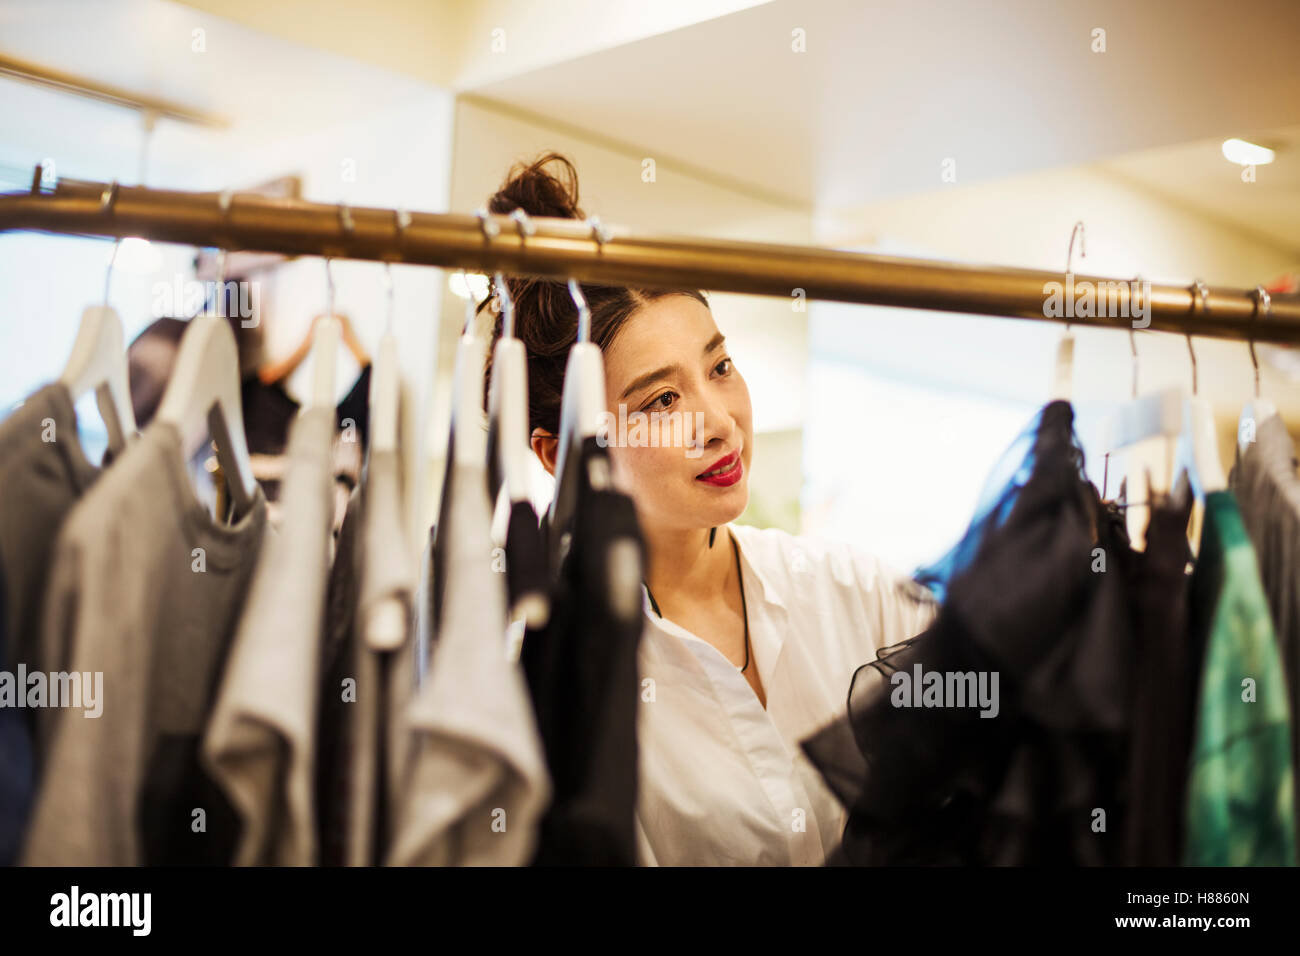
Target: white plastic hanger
[[468, 440], [386, 619], [581, 406], [508, 406], [1063, 380], [98, 360], [324, 353], [508, 434], [385, 384], [1157, 415], [1257, 410], [202, 396]]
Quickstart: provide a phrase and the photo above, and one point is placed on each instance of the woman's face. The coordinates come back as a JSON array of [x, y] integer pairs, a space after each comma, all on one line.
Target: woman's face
[[680, 441]]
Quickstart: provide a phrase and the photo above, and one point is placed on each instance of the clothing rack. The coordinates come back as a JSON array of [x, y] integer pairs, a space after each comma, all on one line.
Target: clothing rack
[[590, 252]]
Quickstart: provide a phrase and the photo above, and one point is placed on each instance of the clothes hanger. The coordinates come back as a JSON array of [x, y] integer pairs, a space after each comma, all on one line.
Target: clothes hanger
[[1063, 381], [1157, 415], [582, 404], [466, 443], [508, 448], [386, 621], [98, 358], [386, 383], [324, 353], [274, 372], [1199, 443], [1256, 410], [202, 396]]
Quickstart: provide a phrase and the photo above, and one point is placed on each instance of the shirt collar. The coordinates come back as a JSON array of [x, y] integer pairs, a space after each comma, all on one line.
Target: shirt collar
[[769, 594]]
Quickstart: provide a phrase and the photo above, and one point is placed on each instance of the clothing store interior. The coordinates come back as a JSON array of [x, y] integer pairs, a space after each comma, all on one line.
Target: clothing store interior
[[975, 540]]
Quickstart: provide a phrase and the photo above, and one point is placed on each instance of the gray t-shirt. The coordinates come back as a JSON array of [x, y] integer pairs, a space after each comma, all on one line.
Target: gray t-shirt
[[474, 785], [43, 471], [260, 741], [145, 587]]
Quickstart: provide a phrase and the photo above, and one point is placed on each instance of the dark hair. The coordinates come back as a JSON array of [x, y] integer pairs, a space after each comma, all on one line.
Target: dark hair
[[546, 319]]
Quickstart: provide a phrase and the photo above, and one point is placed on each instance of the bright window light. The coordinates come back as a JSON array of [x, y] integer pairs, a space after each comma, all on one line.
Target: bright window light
[[1246, 154], [138, 257], [464, 285]]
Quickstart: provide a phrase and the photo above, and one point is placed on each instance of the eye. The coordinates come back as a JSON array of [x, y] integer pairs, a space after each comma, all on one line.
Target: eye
[[661, 401], [723, 367]]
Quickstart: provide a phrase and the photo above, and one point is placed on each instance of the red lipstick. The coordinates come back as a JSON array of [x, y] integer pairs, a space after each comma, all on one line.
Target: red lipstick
[[724, 472]]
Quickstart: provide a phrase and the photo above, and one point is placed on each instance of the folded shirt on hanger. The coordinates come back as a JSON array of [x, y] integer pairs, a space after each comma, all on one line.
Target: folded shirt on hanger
[[145, 588]]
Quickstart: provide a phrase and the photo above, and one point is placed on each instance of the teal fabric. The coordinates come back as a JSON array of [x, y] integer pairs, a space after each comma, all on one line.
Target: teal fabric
[[1240, 809]]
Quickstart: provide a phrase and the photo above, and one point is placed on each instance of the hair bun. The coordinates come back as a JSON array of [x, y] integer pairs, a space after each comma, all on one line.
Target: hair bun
[[539, 191]]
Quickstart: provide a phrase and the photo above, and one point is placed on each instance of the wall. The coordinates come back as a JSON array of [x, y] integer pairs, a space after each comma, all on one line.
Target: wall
[[913, 407]]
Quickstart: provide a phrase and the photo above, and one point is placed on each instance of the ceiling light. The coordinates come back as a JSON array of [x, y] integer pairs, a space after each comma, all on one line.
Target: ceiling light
[[1246, 154]]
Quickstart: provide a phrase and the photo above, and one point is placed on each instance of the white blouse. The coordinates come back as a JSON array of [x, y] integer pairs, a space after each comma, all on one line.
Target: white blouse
[[723, 780]]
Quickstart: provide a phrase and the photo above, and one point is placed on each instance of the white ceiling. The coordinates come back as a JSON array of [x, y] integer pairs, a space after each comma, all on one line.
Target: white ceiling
[[1196, 176], [888, 90]]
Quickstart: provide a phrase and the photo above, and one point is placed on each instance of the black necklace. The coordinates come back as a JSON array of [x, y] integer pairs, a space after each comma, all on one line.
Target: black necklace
[[744, 609]]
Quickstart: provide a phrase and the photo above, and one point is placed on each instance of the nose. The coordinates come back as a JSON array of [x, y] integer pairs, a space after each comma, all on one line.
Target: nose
[[712, 426]]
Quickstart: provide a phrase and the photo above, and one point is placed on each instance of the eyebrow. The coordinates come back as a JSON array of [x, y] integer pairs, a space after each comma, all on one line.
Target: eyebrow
[[651, 377]]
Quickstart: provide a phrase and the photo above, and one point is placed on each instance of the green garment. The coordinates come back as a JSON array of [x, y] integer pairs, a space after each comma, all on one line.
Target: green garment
[[1239, 796]]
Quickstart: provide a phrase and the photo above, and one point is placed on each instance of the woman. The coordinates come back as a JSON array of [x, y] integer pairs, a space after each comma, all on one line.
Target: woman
[[751, 636]]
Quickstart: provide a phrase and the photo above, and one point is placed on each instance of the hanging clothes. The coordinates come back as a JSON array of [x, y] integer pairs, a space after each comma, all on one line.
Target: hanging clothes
[[723, 781], [365, 689], [1240, 797], [527, 575], [146, 588], [259, 745], [582, 674], [1267, 488], [473, 784], [1165, 672], [1016, 753], [268, 412], [17, 766], [44, 473]]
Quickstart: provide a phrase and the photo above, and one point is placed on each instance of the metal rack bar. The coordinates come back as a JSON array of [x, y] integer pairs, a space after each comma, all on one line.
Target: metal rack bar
[[563, 248]]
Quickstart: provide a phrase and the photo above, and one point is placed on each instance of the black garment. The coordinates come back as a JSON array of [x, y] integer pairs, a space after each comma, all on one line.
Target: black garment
[[17, 769], [1165, 671], [582, 672], [527, 576], [269, 410], [943, 785], [353, 749], [335, 724]]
